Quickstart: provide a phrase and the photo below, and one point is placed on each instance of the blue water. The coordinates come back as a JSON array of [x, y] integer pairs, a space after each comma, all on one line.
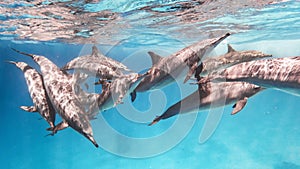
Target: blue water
[[264, 135]]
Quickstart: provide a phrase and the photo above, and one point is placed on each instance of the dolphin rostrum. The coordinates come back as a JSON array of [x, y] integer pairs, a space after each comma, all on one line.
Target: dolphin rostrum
[[279, 73], [211, 95], [166, 69], [61, 94], [232, 57], [38, 94]]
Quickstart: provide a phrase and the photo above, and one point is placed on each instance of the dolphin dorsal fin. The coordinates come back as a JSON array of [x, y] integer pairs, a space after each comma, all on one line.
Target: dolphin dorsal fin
[[95, 51], [230, 49], [154, 57]]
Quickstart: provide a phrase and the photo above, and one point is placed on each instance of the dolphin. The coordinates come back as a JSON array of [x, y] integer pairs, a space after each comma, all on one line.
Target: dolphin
[[113, 92], [97, 65], [86, 99], [211, 95], [38, 94], [232, 57], [60, 91], [278, 73], [166, 69]]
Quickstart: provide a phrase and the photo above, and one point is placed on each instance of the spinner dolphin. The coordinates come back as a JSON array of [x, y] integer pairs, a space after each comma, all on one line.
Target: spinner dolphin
[[114, 92], [232, 57], [38, 93], [212, 95], [62, 96], [278, 73], [97, 65], [166, 69]]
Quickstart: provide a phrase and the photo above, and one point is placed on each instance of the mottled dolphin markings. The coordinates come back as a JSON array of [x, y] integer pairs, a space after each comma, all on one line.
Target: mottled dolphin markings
[[211, 95], [61, 94], [38, 93], [278, 73], [166, 69]]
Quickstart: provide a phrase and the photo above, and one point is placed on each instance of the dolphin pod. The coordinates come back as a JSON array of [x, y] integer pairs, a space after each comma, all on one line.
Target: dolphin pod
[[246, 73], [59, 90]]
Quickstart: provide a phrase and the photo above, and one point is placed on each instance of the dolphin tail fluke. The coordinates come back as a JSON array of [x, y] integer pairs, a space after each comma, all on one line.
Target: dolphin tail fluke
[[62, 125], [239, 106], [50, 129], [23, 53], [157, 119]]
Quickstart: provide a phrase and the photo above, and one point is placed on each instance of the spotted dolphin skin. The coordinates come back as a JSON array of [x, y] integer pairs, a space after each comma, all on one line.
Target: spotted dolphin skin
[[38, 93], [278, 73], [166, 69], [61, 94], [212, 95], [232, 57]]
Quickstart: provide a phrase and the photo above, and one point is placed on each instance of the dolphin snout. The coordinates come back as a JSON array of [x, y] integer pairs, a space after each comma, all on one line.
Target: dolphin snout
[[91, 138]]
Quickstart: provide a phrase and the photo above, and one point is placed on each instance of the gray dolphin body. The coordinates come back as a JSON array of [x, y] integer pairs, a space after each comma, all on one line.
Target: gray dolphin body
[[97, 65], [62, 96], [232, 57], [113, 93], [278, 73], [166, 69], [212, 95], [38, 93]]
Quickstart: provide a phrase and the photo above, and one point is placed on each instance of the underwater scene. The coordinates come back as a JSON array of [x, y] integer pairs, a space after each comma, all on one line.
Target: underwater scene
[[154, 84]]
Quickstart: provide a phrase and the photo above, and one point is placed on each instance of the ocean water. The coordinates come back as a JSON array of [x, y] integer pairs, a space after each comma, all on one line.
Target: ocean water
[[264, 135]]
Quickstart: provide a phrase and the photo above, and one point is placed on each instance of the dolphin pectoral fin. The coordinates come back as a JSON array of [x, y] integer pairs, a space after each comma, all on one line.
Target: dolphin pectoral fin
[[198, 71], [230, 48], [234, 105], [31, 109], [133, 95], [157, 119], [192, 70], [62, 125], [154, 57], [239, 105], [23, 53]]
